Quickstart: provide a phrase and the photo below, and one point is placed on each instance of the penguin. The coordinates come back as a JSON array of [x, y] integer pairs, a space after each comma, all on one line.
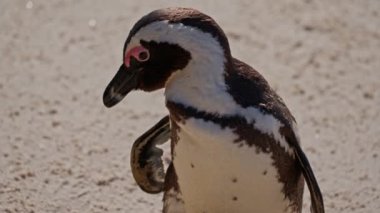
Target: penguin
[[234, 143]]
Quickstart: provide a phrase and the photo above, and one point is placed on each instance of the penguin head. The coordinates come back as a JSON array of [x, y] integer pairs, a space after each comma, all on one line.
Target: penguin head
[[162, 43]]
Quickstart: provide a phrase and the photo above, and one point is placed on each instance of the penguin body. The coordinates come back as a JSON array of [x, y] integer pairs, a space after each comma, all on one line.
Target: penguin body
[[234, 143]]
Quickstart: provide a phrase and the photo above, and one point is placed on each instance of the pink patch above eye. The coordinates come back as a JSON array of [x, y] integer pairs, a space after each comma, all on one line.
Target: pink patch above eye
[[135, 52]]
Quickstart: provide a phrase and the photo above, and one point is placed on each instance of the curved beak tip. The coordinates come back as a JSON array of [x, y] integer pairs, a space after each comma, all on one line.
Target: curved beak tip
[[109, 102], [111, 98], [125, 80]]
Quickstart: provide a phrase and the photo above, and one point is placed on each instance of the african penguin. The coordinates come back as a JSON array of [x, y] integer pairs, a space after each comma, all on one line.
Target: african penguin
[[234, 145]]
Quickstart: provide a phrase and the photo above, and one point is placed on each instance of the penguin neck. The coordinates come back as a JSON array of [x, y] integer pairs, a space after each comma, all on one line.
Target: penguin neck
[[201, 84]]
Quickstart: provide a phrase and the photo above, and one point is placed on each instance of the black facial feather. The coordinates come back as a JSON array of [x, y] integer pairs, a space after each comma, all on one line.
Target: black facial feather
[[164, 59]]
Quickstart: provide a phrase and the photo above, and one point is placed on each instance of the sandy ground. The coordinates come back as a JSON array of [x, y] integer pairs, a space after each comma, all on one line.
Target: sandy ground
[[61, 150]]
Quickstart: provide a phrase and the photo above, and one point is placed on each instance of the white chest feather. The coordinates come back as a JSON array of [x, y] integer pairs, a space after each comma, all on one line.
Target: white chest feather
[[216, 175]]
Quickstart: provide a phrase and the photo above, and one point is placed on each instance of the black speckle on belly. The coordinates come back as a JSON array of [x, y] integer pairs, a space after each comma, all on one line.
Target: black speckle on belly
[[234, 180]]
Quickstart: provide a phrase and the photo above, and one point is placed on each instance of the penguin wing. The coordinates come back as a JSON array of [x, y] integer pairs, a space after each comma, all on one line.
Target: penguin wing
[[315, 192], [317, 205], [146, 163], [249, 88]]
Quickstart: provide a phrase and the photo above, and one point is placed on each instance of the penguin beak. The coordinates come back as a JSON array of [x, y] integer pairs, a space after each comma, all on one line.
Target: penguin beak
[[125, 80]]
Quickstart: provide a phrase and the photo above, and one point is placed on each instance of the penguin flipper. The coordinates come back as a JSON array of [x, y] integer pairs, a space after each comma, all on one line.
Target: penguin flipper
[[146, 158], [317, 205]]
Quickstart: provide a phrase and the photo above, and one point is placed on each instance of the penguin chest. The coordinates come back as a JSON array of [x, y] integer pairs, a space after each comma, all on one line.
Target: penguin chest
[[218, 174]]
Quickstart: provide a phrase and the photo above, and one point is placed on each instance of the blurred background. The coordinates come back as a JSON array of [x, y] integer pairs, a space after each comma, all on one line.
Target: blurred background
[[61, 150]]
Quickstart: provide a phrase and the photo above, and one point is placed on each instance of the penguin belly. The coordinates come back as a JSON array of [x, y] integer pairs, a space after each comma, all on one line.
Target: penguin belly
[[218, 173]]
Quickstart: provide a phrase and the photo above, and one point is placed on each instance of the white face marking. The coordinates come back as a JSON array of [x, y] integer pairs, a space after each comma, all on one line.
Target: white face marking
[[201, 83], [216, 175]]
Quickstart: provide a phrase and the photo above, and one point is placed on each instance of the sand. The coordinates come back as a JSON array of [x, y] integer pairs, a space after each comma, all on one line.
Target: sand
[[61, 150]]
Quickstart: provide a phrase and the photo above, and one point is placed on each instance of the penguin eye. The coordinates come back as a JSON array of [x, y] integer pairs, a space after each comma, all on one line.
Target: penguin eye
[[143, 55], [139, 53]]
